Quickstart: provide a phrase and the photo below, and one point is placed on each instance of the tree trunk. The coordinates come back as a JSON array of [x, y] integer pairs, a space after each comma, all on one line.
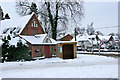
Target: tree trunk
[[55, 23]]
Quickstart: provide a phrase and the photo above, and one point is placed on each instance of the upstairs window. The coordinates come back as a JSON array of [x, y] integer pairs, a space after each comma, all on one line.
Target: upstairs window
[[34, 24]]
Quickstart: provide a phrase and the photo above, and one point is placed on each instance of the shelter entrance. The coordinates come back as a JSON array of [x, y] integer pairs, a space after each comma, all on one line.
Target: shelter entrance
[[68, 51]]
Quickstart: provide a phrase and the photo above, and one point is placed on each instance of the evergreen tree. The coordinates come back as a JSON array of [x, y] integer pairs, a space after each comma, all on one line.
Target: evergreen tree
[[5, 48], [12, 53], [22, 52]]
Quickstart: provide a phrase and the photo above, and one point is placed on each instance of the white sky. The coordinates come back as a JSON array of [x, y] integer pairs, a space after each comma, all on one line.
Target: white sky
[[102, 14]]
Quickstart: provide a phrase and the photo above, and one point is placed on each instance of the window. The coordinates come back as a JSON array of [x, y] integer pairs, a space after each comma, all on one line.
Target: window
[[37, 50], [34, 23], [47, 40]]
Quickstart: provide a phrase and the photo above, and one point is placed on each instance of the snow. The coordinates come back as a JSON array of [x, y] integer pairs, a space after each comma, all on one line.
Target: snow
[[15, 40], [20, 22], [84, 66], [15, 19], [98, 52], [85, 36], [67, 41], [53, 41], [0, 42], [104, 37], [38, 39]]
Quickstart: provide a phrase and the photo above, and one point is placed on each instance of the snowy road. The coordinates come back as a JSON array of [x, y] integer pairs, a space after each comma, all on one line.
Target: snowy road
[[89, 66]]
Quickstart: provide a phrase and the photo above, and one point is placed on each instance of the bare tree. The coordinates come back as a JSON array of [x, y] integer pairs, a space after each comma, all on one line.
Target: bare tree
[[99, 33], [90, 30], [54, 15], [80, 31]]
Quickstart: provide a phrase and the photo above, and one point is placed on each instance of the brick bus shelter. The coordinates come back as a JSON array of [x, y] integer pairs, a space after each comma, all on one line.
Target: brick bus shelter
[[67, 49]]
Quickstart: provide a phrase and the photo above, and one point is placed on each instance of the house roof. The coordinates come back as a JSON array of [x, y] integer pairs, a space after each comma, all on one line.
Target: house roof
[[20, 22], [38, 39], [26, 21], [79, 37], [104, 37]]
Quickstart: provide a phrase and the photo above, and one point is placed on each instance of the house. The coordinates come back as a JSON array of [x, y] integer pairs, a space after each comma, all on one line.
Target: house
[[83, 42], [26, 25], [40, 44], [66, 37]]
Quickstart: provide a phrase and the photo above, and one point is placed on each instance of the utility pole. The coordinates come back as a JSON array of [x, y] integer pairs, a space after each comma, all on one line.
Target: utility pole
[[75, 35]]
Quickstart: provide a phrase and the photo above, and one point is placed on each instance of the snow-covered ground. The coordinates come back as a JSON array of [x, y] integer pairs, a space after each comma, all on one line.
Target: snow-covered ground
[[98, 52], [84, 66]]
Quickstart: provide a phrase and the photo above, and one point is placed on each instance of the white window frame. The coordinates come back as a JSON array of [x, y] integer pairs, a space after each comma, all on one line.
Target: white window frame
[[34, 23]]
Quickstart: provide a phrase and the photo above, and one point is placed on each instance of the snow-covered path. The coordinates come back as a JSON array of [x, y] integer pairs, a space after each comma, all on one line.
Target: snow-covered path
[[89, 66]]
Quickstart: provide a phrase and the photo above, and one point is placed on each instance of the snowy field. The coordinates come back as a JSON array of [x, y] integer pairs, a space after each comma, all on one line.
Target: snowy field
[[84, 66]]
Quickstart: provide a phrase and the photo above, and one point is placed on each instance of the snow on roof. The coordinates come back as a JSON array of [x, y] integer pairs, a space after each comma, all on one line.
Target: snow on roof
[[34, 39], [116, 38], [67, 41], [20, 22], [14, 41], [80, 38], [53, 41], [104, 37], [38, 39], [24, 21], [92, 36]]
